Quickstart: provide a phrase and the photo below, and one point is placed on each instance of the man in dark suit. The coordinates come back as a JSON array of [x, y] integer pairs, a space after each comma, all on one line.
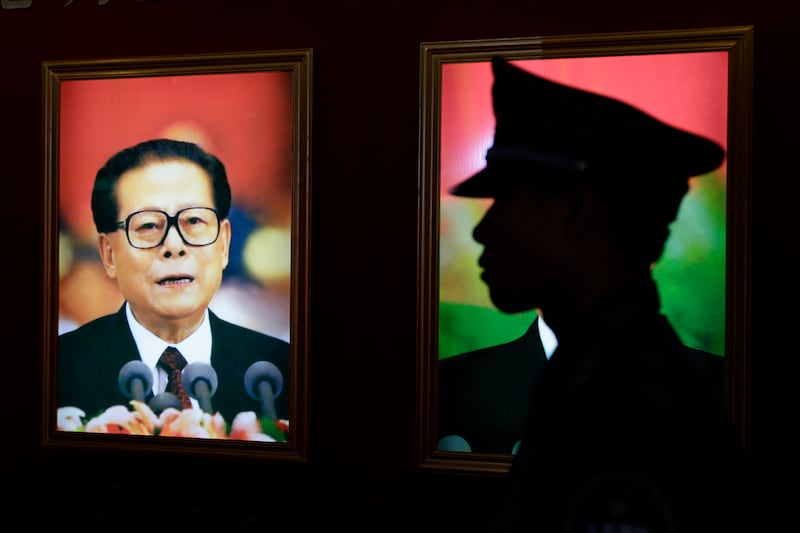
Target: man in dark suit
[[483, 394], [624, 431], [161, 211]]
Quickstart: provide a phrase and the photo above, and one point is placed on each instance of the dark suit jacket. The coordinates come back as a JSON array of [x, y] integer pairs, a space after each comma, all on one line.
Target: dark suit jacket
[[90, 357], [483, 394], [625, 420]]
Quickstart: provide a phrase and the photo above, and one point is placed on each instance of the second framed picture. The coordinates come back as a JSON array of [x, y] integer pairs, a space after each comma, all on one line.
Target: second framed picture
[[695, 80], [177, 229]]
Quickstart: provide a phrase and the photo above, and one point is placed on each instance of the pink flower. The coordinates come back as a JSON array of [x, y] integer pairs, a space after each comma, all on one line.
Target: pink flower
[[247, 426], [145, 417], [118, 419], [191, 423]]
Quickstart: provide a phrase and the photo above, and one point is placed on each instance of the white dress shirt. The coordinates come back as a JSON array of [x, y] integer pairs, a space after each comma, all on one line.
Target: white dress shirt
[[549, 341], [194, 348]]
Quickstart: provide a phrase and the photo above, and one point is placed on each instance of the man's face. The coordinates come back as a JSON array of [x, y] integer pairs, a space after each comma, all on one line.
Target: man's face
[[173, 281], [524, 238]]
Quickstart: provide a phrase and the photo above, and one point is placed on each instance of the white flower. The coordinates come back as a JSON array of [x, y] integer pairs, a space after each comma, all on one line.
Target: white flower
[[69, 418]]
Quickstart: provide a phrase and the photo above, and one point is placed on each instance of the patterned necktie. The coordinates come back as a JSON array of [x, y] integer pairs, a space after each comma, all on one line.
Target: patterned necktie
[[173, 362]]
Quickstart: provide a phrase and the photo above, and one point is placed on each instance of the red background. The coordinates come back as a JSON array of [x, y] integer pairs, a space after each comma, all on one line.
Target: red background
[[245, 119]]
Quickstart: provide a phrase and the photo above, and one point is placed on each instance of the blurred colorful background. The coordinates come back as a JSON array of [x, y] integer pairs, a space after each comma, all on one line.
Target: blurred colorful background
[[687, 90], [245, 119]]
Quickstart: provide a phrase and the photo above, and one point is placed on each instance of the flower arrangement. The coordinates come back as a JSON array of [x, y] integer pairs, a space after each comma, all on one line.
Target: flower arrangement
[[171, 422]]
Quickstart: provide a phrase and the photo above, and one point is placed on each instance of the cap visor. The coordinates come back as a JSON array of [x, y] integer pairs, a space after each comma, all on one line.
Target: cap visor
[[476, 186]]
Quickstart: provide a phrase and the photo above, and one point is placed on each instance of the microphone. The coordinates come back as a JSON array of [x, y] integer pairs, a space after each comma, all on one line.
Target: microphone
[[200, 381], [263, 381], [453, 443], [135, 380], [515, 449], [162, 400]]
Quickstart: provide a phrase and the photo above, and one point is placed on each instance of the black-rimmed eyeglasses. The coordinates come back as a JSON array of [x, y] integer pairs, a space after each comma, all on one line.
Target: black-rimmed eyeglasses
[[197, 226]]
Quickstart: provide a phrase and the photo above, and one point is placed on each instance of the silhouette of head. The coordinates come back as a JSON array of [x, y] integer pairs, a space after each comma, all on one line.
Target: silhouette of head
[[550, 139]]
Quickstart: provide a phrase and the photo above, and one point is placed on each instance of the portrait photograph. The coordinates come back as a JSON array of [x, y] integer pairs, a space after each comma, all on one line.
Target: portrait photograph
[[688, 91], [695, 82], [201, 163]]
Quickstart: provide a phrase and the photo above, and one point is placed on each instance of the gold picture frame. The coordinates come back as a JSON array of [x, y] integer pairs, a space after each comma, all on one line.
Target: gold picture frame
[[731, 47], [254, 110]]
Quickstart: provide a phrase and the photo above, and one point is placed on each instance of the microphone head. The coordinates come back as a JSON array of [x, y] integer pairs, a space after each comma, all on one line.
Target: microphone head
[[132, 370], [162, 400], [193, 372], [453, 443], [261, 371], [515, 449]]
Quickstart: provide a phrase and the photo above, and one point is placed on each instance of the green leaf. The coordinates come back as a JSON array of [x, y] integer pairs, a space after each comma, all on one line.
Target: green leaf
[[464, 327], [268, 427]]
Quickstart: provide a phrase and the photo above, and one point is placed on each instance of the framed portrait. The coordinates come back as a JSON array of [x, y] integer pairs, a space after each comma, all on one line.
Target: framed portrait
[[698, 80], [252, 112]]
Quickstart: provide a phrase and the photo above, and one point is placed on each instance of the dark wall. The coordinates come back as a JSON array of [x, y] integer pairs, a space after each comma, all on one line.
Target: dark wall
[[363, 270]]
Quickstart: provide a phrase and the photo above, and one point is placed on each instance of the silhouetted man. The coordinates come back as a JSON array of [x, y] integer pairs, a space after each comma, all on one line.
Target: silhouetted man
[[624, 430]]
